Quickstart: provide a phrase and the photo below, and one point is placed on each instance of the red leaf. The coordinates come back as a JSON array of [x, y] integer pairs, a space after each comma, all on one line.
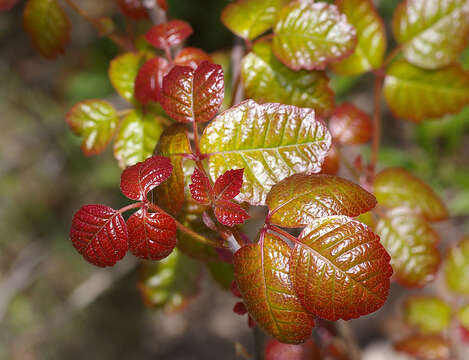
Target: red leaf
[[193, 95], [349, 125], [141, 178], [229, 184], [331, 164], [6, 5], [163, 4], [275, 350], [99, 233], [228, 213], [192, 57], [240, 308], [166, 35], [151, 235], [234, 289], [133, 9], [200, 187], [149, 80]]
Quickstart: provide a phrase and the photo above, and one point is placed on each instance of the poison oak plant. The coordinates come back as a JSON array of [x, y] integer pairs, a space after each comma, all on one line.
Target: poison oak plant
[[195, 174]]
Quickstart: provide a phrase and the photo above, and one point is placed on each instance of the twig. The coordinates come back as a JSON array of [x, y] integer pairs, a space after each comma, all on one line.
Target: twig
[[157, 15], [346, 333]]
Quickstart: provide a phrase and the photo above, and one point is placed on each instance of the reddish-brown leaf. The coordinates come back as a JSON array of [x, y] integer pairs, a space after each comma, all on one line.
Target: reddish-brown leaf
[[331, 164], [193, 95], [228, 213], [167, 35], [339, 269], [163, 4], [6, 5], [192, 57], [134, 9], [150, 79], [261, 272], [99, 233], [275, 350], [152, 235], [425, 347], [349, 125], [139, 179], [240, 308], [200, 187], [228, 185]]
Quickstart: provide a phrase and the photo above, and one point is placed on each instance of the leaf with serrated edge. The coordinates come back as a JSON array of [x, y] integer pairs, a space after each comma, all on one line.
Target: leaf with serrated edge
[[270, 141], [267, 79], [339, 269], [412, 244], [229, 184], [96, 121], [261, 272], [395, 187], [371, 37], [432, 33], [228, 213], [301, 198], [200, 187], [99, 233], [250, 18], [425, 347], [310, 35], [150, 79], [192, 57], [168, 34], [430, 315], [457, 267], [48, 27], [137, 137], [417, 94], [350, 126]]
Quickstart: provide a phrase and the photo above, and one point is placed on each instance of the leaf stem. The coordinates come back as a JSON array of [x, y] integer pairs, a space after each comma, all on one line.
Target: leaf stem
[[283, 233], [376, 121], [131, 206], [124, 112], [391, 56], [195, 131]]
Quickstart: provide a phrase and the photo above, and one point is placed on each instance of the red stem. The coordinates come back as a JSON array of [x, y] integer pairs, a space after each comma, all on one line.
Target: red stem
[[131, 206], [283, 233]]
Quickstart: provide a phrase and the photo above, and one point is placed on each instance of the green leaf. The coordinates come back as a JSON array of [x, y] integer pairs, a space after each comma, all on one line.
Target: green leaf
[[48, 27], [463, 316], [432, 32], [170, 283], [339, 269], [250, 18], [222, 273], [301, 198], [261, 272], [371, 37], [309, 35], [395, 187], [267, 80], [170, 194], [412, 244], [429, 314], [137, 137], [425, 347], [457, 268], [96, 121], [416, 94], [270, 141], [122, 72]]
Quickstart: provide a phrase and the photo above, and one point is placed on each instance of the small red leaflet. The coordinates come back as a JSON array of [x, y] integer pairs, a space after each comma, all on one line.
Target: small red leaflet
[[167, 35]]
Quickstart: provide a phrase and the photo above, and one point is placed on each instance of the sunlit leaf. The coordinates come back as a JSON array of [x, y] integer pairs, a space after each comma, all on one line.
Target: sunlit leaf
[[171, 283], [134, 9], [267, 80], [192, 57], [416, 94], [48, 27], [349, 125], [96, 121], [229, 213], [412, 244], [228, 185], [457, 268], [99, 233], [432, 32], [371, 37], [261, 272], [425, 347], [428, 314], [200, 187], [250, 18], [150, 79], [169, 34], [301, 198], [275, 350], [270, 141], [309, 35], [396, 187], [137, 137]]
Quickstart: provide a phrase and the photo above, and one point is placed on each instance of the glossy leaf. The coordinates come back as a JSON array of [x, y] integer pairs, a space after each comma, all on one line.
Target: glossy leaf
[[331, 164], [170, 283], [228, 213], [339, 269], [134, 9], [267, 80], [457, 268], [137, 137], [150, 79], [350, 126], [228, 185], [200, 187], [425, 347], [416, 94], [6, 5], [139, 179], [412, 244], [310, 35], [96, 121], [173, 141], [99, 233], [301, 198], [429, 314], [193, 95], [261, 272], [48, 27], [432, 33], [395, 187], [152, 235], [192, 57], [371, 37], [167, 35], [275, 350], [270, 141], [250, 18]]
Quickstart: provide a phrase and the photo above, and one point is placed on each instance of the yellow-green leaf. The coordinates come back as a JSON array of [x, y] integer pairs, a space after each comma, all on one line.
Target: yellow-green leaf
[[430, 315], [457, 268], [463, 316]]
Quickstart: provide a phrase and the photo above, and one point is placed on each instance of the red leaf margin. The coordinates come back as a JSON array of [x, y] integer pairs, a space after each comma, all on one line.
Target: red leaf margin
[[150, 79], [166, 35]]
